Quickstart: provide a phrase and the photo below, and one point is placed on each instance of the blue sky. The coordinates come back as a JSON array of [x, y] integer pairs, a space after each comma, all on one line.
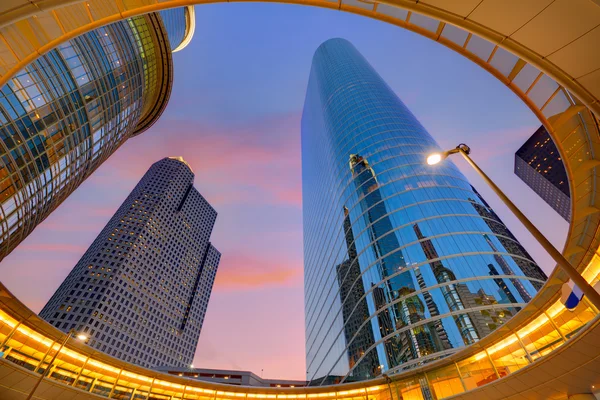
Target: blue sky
[[234, 115]]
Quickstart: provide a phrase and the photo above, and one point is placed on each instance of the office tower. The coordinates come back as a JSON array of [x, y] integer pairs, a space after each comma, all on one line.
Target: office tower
[[141, 290], [69, 110], [404, 270], [539, 165]]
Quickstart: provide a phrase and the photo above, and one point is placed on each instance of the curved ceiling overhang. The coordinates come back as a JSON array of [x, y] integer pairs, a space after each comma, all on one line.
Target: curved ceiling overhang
[[190, 28], [157, 98], [543, 50]]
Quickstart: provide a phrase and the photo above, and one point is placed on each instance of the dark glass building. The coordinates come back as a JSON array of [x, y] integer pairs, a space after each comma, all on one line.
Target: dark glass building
[[404, 262], [141, 290], [68, 111], [539, 165]]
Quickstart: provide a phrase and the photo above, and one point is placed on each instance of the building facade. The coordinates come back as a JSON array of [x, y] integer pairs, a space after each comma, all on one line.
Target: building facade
[[539, 165], [231, 377], [141, 290], [404, 262], [68, 111]]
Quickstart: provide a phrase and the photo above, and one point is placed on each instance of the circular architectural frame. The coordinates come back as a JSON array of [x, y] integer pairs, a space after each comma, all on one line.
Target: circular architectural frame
[[542, 51]]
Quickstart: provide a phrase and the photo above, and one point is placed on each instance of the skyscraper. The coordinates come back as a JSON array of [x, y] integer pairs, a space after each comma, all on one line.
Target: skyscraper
[[539, 165], [141, 290], [417, 265], [68, 111]]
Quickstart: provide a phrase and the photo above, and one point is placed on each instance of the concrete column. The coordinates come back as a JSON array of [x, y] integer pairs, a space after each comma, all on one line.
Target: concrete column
[[582, 396]]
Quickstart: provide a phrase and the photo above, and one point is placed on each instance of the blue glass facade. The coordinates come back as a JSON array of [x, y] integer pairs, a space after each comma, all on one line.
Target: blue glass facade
[[69, 110], [404, 262], [176, 21]]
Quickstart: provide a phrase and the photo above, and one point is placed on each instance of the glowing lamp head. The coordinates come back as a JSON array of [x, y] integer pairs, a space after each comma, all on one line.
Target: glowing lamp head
[[434, 158], [82, 337]]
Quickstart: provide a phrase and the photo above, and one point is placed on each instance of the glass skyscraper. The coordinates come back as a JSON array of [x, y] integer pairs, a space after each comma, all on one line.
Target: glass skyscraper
[[68, 111], [404, 262]]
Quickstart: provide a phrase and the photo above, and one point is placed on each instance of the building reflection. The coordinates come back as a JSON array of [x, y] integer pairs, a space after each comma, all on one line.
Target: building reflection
[[512, 246], [354, 310], [397, 309], [507, 270], [472, 325], [453, 293]]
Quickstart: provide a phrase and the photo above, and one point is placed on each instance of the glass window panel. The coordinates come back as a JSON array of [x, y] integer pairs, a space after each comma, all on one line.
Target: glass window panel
[[526, 76], [7, 324], [455, 34], [365, 5], [480, 47], [570, 322], [540, 337], [424, 22], [542, 90], [477, 371], [504, 61], [445, 381], [508, 356], [557, 105], [410, 389], [395, 12]]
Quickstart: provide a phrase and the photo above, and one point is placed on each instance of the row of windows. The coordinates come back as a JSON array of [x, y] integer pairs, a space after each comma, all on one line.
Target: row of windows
[[158, 288]]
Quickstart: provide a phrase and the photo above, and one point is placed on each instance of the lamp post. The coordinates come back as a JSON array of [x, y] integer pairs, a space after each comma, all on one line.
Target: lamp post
[[586, 288], [69, 335]]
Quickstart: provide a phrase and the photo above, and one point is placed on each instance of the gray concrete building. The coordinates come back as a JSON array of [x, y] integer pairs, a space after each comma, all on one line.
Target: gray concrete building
[[141, 290], [231, 377]]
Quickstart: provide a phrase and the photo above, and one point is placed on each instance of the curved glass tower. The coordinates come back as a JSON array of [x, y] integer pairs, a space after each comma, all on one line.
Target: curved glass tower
[[69, 110], [404, 262]]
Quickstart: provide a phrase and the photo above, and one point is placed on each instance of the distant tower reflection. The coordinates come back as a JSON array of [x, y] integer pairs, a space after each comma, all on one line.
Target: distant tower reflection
[[354, 310], [398, 309]]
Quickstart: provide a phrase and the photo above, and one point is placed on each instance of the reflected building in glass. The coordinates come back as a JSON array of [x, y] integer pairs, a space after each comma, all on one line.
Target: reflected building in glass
[[404, 262], [68, 111]]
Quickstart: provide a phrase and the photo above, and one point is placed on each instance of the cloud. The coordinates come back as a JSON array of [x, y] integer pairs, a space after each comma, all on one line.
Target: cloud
[[65, 226], [489, 144], [255, 163], [53, 247], [239, 270]]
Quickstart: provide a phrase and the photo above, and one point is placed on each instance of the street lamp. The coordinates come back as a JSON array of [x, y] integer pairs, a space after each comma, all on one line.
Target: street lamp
[[72, 332], [586, 288]]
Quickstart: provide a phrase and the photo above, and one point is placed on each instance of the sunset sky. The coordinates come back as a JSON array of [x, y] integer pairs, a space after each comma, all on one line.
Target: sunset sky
[[234, 115]]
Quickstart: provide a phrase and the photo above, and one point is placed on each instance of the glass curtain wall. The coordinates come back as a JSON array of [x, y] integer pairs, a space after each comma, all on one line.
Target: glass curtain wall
[[404, 262], [176, 24], [66, 112]]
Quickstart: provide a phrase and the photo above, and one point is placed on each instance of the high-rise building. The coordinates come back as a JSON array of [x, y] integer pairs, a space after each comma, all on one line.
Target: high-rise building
[[141, 290], [417, 265], [539, 165], [68, 111]]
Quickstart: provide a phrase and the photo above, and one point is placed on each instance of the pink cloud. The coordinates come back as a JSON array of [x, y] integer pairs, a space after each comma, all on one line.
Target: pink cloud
[[291, 196], [239, 270], [64, 226], [53, 247], [230, 159]]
